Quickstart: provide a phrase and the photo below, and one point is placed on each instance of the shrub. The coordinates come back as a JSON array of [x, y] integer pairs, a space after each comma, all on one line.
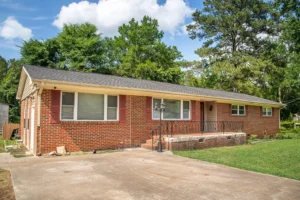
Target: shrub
[[288, 134], [253, 137], [279, 136], [287, 124]]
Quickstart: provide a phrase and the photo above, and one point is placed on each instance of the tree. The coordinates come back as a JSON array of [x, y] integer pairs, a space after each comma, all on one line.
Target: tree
[[41, 53], [235, 34], [8, 88], [81, 48], [144, 55], [78, 47], [3, 68], [286, 54]]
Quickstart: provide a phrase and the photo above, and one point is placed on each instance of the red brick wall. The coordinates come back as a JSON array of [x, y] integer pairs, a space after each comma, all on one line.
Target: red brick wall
[[254, 122], [86, 136]]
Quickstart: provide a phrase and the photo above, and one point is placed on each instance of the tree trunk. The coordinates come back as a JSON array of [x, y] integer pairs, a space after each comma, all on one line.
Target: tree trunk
[[279, 95]]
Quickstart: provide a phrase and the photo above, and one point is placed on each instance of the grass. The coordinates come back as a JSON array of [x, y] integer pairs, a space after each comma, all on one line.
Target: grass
[[278, 157], [6, 187], [19, 155]]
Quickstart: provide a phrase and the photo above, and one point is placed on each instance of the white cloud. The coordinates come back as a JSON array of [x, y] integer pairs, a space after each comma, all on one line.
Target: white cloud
[[108, 15], [12, 29]]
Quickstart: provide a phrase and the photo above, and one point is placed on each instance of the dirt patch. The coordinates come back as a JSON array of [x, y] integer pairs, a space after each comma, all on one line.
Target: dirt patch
[[6, 187]]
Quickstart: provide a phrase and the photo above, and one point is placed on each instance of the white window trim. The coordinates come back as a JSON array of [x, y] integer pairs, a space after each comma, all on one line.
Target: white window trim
[[181, 110], [238, 110], [267, 115], [76, 108]]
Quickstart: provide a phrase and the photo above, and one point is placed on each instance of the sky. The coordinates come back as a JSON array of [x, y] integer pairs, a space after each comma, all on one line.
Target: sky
[[21, 20]]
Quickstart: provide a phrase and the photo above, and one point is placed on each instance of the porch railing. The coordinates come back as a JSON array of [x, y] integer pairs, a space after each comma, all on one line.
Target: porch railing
[[171, 128]]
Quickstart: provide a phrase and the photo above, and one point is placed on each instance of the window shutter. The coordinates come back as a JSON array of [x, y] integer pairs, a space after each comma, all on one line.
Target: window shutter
[[273, 109], [148, 109], [261, 111], [122, 108], [193, 110], [55, 107]]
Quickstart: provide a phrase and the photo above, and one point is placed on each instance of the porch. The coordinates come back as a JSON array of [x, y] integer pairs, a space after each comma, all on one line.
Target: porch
[[180, 135]]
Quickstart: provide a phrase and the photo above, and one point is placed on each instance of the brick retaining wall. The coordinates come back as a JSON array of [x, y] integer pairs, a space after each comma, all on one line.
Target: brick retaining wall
[[203, 142]]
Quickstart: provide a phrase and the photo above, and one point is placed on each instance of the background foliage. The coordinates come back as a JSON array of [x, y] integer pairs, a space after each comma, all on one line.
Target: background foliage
[[250, 47]]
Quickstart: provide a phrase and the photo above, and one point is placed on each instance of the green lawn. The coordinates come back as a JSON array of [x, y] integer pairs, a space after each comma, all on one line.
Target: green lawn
[[278, 157]]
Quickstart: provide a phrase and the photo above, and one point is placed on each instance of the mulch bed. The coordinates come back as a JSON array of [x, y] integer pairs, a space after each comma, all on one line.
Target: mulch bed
[[6, 186]]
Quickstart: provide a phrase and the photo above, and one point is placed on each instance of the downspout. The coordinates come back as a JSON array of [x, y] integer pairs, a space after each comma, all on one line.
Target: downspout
[[130, 122], [41, 87], [40, 91]]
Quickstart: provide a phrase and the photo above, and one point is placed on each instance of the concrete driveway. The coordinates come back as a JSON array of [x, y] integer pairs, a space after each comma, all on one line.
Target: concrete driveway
[[141, 174]]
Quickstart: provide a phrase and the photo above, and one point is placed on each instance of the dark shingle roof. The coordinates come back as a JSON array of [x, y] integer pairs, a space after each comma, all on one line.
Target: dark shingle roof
[[43, 73]]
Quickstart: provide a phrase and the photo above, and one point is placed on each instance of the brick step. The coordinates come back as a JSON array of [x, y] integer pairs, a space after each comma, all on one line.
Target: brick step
[[150, 142], [155, 146], [149, 146]]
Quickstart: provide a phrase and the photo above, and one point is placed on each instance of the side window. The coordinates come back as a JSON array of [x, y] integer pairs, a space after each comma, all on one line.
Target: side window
[[186, 110], [112, 107], [155, 113], [238, 109], [67, 105], [267, 111]]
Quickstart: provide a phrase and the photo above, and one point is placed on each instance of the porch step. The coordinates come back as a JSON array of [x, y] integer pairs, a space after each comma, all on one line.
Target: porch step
[[149, 146], [150, 142]]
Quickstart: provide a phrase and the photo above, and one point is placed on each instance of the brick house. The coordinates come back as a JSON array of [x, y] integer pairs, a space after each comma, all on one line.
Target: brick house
[[86, 111]]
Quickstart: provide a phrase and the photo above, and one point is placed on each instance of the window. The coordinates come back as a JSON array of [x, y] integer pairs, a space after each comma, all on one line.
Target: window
[[87, 106], [112, 107], [175, 109], [67, 106], [156, 113], [238, 110], [267, 111], [90, 106], [25, 116], [186, 110]]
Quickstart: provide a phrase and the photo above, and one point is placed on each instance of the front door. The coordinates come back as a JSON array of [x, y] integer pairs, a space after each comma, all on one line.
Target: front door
[[32, 130]]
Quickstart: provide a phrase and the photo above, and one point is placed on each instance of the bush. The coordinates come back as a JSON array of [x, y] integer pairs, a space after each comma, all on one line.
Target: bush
[[287, 124], [253, 137], [288, 134], [279, 136]]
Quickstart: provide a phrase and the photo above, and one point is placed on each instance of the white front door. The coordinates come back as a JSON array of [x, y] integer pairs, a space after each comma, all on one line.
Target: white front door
[[32, 130]]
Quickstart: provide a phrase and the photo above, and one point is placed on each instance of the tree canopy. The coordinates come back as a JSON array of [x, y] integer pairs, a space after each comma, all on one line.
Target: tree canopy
[[144, 55], [249, 46], [137, 51]]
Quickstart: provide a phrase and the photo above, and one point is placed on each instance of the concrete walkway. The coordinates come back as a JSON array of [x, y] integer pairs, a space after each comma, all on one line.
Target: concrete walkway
[[141, 174]]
